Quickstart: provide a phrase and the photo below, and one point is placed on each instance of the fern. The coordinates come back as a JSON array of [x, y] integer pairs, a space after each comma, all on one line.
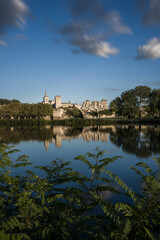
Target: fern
[[47, 208]]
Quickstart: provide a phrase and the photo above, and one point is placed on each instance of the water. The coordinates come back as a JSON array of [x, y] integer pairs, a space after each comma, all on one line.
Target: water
[[133, 143]]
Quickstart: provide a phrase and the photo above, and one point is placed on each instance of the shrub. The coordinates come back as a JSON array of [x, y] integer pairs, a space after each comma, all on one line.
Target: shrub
[[48, 208], [74, 112]]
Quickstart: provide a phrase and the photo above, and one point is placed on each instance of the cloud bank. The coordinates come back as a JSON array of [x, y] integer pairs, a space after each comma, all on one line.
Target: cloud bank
[[91, 25], [153, 14], [153, 83], [3, 44], [92, 45], [149, 51], [112, 89], [21, 37], [12, 14]]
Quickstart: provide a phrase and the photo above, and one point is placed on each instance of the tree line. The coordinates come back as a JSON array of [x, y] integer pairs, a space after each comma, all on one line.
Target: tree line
[[138, 102], [18, 110]]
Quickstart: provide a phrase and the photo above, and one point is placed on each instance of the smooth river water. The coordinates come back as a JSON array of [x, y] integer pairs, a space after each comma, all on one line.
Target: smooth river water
[[133, 142]]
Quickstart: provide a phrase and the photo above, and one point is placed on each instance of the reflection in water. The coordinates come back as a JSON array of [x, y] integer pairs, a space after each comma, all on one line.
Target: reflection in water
[[53, 135], [141, 141], [61, 133]]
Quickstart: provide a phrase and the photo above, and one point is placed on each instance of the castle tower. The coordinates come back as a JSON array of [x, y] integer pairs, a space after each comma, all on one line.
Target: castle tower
[[57, 101], [46, 99]]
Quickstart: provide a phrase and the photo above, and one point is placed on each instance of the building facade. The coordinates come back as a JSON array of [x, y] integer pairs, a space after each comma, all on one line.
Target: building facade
[[95, 105], [86, 106]]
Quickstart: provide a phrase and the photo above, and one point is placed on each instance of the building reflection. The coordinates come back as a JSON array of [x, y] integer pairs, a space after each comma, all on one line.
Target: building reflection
[[137, 140], [46, 145], [61, 133], [141, 141]]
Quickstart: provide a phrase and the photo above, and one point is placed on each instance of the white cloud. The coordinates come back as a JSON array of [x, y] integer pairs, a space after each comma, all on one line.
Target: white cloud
[[22, 37], [3, 44], [153, 14], [112, 89], [104, 49], [93, 45], [116, 23], [90, 27], [12, 14], [149, 51], [95, 12]]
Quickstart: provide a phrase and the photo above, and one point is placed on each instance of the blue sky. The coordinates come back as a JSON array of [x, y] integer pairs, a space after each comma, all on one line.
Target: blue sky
[[79, 49]]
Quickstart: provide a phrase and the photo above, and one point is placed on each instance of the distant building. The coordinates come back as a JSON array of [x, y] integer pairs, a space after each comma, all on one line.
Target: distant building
[[45, 98], [95, 105], [57, 101], [87, 106], [47, 101]]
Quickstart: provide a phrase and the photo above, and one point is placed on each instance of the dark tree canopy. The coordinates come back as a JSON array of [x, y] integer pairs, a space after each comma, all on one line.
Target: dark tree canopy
[[74, 112], [154, 104], [24, 110], [116, 105], [137, 102], [6, 101]]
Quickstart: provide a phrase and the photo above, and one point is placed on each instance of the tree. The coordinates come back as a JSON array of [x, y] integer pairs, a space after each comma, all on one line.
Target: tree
[[6, 101], [106, 112], [142, 95], [18, 110], [129, 100], [116, 105], [74, 112], [133, 102], [154, 104]]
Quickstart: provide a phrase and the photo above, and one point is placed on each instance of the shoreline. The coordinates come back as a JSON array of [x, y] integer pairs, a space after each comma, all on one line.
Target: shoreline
[[76, 122]]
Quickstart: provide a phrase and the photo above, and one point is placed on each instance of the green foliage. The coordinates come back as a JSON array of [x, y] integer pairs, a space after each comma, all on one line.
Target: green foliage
[[154, 104], [129, 101], [107, 112], [24, 122], [142, 94], [116, 105], [6, 101], [18, 110], [88, 122], [94, 113], [62, 204], [74, 112], [132, 103]]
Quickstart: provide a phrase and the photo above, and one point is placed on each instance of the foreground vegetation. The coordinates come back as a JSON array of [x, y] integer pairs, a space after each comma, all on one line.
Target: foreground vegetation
[[66, 204]]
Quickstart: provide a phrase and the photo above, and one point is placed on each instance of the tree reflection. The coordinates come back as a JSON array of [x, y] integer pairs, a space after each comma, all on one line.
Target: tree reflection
[[153, 133], [141, 141], [18, 134], [74, 132]]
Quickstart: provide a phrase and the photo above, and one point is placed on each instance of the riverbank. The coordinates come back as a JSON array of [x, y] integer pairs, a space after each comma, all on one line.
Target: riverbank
[[100, 122], [77, 122]]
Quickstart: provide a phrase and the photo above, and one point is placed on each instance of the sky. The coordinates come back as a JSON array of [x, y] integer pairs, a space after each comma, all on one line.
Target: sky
[[79, 49]]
